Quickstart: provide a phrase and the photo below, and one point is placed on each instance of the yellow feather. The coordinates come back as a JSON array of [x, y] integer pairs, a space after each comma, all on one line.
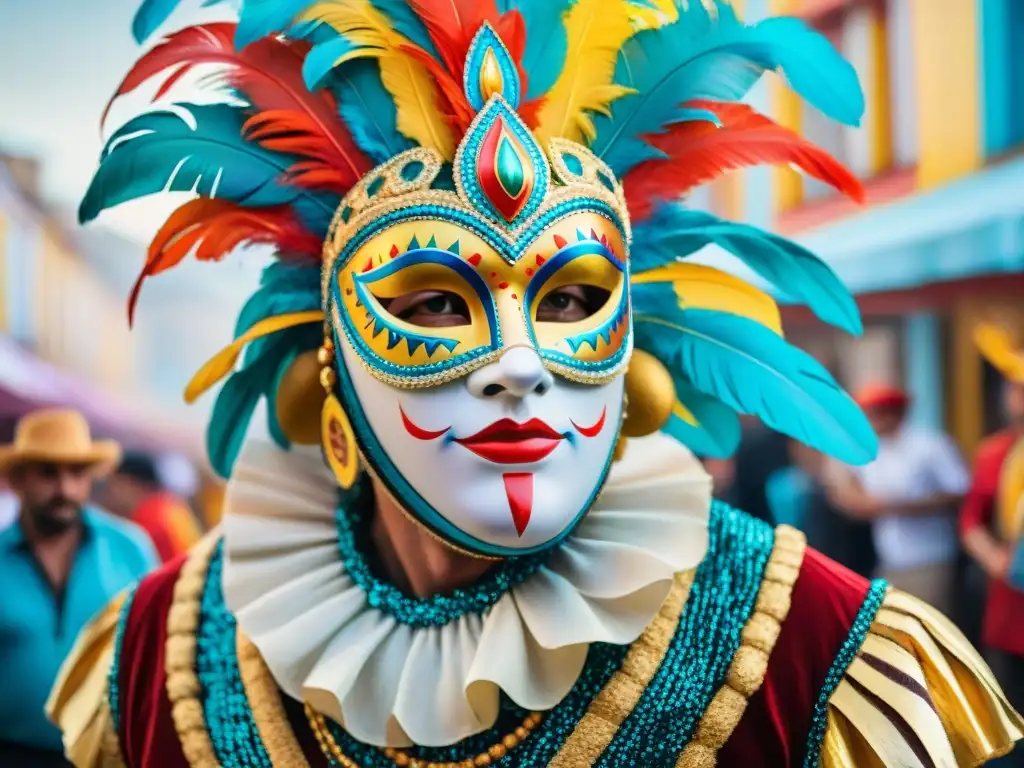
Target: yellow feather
[[662, 14], [407, 80], [597, 30], [700, 287], [997, 346], [221, 364]]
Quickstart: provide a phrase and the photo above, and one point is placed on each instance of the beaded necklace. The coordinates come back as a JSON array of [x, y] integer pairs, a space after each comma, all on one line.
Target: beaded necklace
[[333, 752], [352, 525]]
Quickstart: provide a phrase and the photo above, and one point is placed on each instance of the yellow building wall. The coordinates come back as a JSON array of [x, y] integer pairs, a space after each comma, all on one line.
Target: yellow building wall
[[878, 111], [946, 63]]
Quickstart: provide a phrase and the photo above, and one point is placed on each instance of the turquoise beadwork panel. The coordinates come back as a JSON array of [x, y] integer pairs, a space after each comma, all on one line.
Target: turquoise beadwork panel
[[861, 624], [721, 601], [114, 676]]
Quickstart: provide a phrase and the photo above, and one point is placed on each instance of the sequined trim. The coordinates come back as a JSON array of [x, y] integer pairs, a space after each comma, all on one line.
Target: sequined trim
[[183, 687], [113, 697], [434, 611], [746, 674], [110, 743], [267, 709], [861, 624], [696, 664], [616, 701]]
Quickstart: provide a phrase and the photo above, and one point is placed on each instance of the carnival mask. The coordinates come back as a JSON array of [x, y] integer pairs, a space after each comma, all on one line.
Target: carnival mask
[[481, 331]]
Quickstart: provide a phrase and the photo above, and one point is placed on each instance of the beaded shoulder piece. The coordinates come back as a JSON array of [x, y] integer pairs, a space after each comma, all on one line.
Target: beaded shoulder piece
[[671, 698]]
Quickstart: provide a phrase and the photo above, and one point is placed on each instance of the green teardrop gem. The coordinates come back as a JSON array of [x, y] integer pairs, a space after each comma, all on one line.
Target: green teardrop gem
[[510, 169]]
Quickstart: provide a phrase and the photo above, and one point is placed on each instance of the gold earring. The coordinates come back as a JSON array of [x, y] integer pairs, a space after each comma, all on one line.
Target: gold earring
[[336, 435], [650, 395]]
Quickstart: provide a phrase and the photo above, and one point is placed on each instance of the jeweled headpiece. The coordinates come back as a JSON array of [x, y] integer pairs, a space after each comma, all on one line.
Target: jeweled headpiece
[[508, 158]]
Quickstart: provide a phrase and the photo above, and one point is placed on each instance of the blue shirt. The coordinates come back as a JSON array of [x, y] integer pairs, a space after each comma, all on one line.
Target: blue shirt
[[38, 627]]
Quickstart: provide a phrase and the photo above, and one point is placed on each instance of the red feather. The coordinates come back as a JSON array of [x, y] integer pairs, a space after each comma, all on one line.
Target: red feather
[[269, 73], [452, 25], [214, 228], [189, 47], [699, 152], [297, 133]]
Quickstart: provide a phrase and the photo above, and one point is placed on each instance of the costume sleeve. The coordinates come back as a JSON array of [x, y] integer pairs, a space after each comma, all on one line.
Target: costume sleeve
[[79, 701], [917, 694], [977, 505]]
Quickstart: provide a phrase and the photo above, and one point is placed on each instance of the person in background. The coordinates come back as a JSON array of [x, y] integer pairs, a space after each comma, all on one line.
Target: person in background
[[798, 496], [60, 563], [761, 453], [990, 526], [909, 493], [723, 478], [8, 506], [135, 492]]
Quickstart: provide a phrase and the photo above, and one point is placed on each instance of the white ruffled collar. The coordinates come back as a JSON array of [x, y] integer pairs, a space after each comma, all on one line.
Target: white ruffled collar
[[391, 684]]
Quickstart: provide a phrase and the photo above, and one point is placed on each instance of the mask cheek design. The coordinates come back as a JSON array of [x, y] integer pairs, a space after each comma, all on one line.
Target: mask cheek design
[[595, 347], [398, 351]]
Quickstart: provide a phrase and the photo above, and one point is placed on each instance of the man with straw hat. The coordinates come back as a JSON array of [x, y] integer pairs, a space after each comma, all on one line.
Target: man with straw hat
[[60, 562], [990, 521]]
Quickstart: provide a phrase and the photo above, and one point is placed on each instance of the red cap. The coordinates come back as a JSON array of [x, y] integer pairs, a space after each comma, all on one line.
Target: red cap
[[882, 396]]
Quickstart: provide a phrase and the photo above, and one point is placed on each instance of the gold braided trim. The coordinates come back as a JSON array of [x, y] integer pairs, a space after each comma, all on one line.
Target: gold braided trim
[[267, 709], [180, 663], [110, 743], [749, 665], [617, 699]]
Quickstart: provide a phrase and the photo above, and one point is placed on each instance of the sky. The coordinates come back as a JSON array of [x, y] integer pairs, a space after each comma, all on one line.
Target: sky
[[57, 70]]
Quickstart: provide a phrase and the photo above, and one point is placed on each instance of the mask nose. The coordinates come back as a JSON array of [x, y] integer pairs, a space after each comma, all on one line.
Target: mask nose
[[517, 373]]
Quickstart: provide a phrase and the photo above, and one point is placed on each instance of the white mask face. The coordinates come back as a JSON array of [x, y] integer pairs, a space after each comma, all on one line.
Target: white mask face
[[504, 461]]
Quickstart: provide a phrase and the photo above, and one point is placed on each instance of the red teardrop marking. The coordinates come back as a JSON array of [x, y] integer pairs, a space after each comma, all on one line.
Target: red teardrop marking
[[519, 490], [369, 265], [516, 298], [560, 242], [529, 271], [540, 259], [503, 285], [394, 251], [475, 259]]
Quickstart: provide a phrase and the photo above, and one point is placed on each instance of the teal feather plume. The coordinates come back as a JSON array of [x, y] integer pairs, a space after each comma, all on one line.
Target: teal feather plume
[[259, 18], [717, 432], [151, 15], [755, 371], [161, 151], [718, 58], [407, 23], [368, 110], [674, 232], [284, 288], [546, 41]]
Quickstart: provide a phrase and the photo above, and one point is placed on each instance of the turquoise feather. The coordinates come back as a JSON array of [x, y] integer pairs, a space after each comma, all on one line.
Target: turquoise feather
[[259, 18], [702, 56], [160, 151], [546, 41], [718, 432], [407, 23], [674, 232], [284, 288], [755, 371], [369, 111], [151, 16], [319, 62]]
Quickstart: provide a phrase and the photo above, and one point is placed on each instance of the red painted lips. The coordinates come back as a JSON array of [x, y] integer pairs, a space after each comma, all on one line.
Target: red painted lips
[[509, 442]]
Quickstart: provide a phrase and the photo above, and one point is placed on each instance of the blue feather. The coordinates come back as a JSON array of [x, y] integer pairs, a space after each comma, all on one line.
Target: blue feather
[[406, 23], [284, 288], [674, 232], [160, 151], [319, 62], [753, 370], [718, 431], [259, 18], [150, 16], [716, 57], [368, 110], [546, 41]]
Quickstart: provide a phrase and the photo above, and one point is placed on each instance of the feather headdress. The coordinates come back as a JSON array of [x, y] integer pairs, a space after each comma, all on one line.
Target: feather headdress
[[323, 90]]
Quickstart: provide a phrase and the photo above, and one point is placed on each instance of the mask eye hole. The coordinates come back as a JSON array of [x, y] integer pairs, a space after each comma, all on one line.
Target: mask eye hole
[[572, 304], [428, 309]]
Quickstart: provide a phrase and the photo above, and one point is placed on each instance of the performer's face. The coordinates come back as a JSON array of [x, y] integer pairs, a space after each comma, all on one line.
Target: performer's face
[[511, 454], [486, 388]]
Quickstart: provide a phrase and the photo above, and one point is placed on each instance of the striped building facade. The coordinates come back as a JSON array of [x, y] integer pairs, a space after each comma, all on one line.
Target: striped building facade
[[940, 243]]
